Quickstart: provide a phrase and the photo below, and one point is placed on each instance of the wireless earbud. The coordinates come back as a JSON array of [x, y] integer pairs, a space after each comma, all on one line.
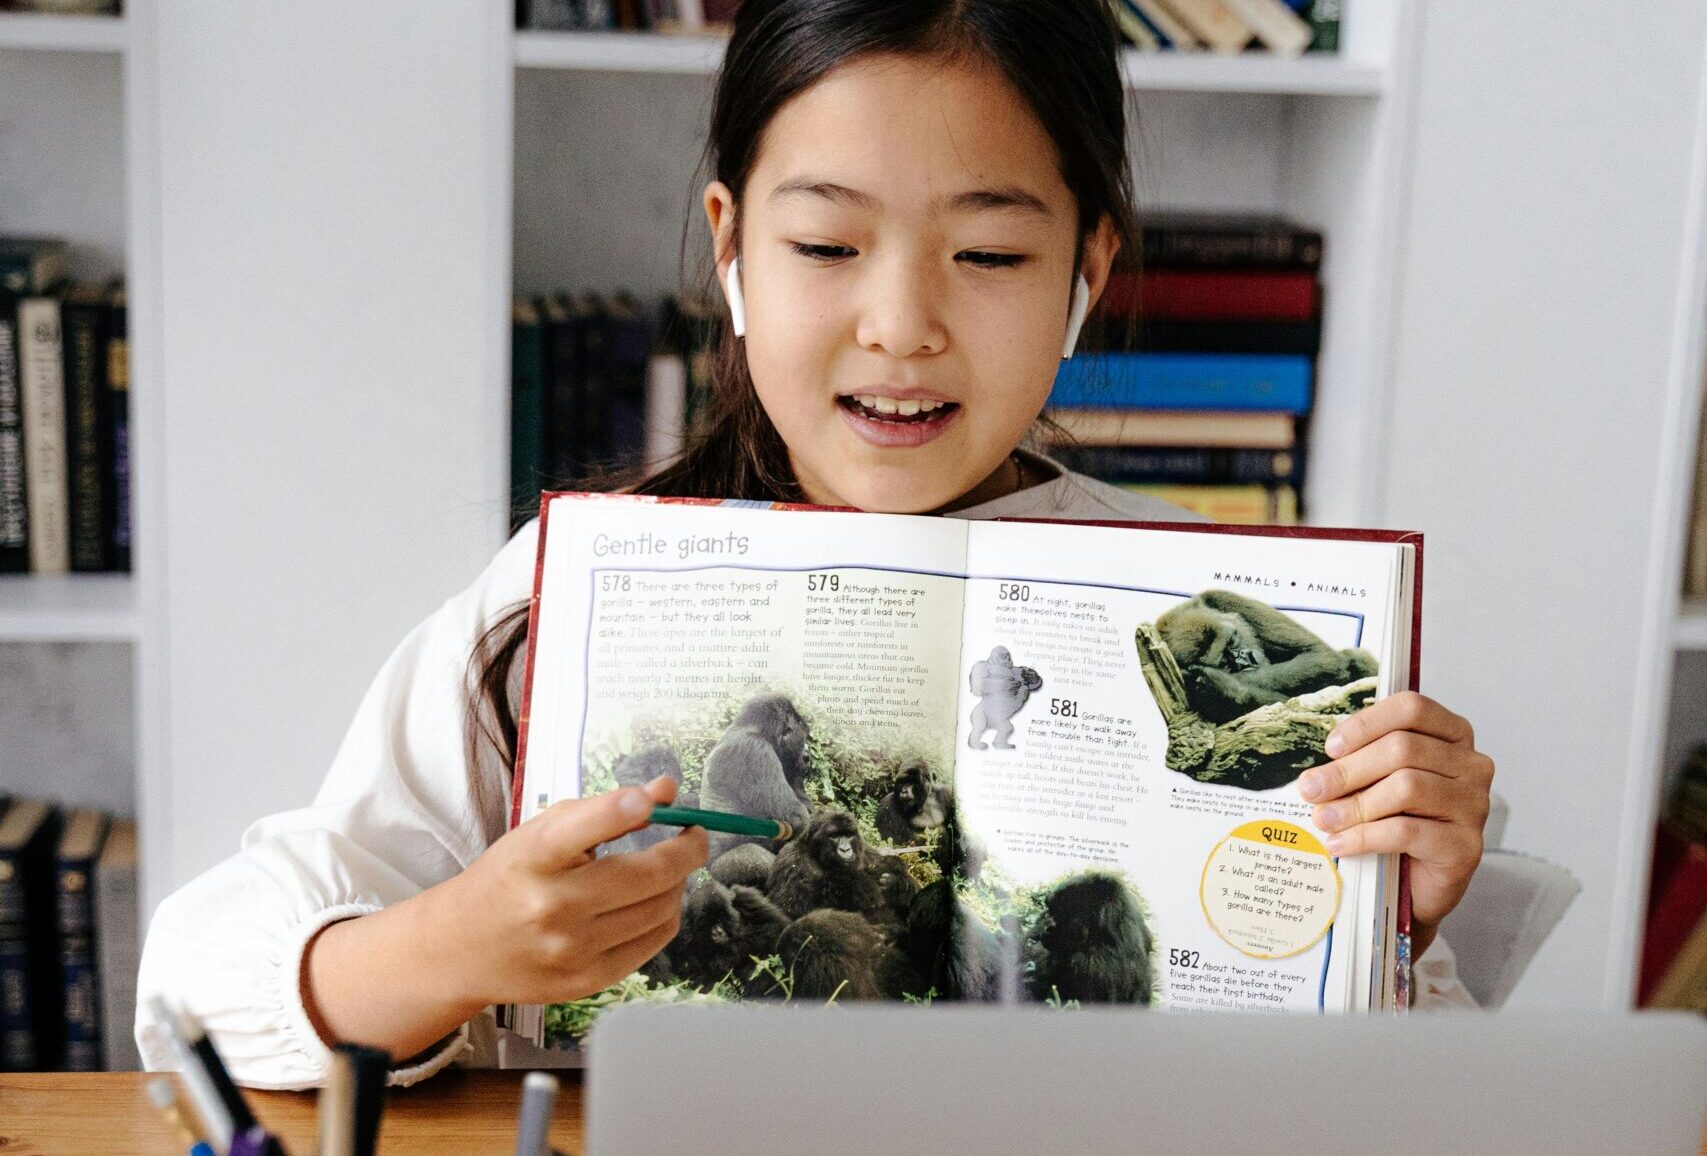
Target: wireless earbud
[[737, 303], [1076, 315]]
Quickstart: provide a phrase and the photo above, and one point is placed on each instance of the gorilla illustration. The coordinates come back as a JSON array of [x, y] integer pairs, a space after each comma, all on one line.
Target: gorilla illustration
[[913, 806], [723, 929], [826, 865], [758, 768], [1089, 942], [836, 954], [1002, 689], [1237, 654], [636, 770]]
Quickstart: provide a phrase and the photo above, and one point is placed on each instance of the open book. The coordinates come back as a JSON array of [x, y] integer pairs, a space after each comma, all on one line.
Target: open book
[[1023, 761]]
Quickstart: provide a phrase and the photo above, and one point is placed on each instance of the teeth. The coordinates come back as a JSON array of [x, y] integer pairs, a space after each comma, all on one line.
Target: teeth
[[868, 400], [928, 406], [884, 405], [906, 408], [888, 405]]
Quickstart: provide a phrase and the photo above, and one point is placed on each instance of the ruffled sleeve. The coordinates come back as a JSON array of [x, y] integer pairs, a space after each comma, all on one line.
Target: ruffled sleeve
[[396, 814]]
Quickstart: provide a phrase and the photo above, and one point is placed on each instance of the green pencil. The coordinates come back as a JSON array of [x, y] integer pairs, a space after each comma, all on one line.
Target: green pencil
[[723, 821]]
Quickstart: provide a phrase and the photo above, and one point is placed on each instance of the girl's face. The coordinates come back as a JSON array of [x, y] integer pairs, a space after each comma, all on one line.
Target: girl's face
[[907, 251]]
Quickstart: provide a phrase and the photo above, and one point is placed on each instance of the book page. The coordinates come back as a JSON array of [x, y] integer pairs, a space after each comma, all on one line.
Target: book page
[[1135, 707]]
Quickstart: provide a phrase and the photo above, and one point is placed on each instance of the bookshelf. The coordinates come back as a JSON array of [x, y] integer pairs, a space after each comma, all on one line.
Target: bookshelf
[[351, 193]]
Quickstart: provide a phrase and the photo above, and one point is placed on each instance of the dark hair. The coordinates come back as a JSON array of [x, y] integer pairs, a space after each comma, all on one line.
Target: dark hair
[[1060, 55]]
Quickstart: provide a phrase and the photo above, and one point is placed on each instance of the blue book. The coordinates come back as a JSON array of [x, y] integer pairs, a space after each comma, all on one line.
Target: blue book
[[1200, 381]]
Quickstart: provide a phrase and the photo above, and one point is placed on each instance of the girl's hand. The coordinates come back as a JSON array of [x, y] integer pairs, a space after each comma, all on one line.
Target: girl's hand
[[1407, 777], [543, 921]]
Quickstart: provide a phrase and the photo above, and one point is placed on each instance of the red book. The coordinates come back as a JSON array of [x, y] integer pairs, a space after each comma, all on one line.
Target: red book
[[1677, 903], [1213, 295]]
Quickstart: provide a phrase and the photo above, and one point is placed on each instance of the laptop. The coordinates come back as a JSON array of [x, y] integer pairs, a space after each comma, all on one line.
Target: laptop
[[994, 1081]]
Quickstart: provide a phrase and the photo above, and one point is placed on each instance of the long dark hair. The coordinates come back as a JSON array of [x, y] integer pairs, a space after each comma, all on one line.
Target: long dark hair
[[1061, 56]]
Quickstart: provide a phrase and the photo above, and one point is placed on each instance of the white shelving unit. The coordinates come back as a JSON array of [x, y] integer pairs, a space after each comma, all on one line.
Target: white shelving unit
[[353, 192]]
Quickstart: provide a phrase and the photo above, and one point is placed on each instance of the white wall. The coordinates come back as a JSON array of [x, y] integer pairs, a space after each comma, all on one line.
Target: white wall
[[1543, 262], [286, 248]]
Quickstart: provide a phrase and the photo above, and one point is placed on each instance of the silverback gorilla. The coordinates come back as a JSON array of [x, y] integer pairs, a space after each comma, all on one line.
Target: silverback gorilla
[[758, 768], [1237, 654], [1002, 689]]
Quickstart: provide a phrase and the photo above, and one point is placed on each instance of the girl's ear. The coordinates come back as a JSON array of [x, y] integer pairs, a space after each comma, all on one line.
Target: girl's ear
[[1101, 246], [720, 217]]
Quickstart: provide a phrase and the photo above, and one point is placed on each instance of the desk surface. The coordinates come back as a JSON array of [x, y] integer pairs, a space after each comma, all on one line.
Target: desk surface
[[455, 1113]]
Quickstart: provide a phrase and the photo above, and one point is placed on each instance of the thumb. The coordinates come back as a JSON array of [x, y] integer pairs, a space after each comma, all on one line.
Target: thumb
[[565, 834]]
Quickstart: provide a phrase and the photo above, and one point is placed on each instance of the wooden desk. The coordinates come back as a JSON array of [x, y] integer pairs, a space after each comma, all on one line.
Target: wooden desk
[[455, 1113]]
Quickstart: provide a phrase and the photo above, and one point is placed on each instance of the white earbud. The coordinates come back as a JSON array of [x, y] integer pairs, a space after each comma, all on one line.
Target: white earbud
[[737, 303], [1076, 316]]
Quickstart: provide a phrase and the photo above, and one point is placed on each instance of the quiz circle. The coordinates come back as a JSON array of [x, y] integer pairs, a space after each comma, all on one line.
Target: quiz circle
[[1270, 889]]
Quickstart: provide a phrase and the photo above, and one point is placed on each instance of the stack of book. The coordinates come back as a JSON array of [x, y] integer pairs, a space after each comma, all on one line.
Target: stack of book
[[1283, 27], [601, 386], [1674, 949], [689, 16], [1203, 379], [68, 939], [64, 416]]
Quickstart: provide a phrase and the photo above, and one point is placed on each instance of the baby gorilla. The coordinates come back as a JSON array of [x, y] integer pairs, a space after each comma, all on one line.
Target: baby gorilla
[[758, 768], [723, 929], [1089, 943], [825, 865], [837, 955]]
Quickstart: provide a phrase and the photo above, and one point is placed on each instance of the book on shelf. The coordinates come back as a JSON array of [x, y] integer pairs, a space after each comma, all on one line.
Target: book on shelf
[[1213, 22], [1189, 381], [1184, 465], [32, 264], [1128, 427], [86, 314], [1230, 504], [79, 986], [1228, 240], [30, 1009], [1168, 30], [14, 512], [1281, 30], [118, 382], [1674, 947], [1197, 294], [42, 372], [625, 15], [118, 946], [1050, 763]]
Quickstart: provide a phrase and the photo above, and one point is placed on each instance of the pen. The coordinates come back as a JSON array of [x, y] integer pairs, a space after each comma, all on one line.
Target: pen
[[338, 1108], [204, 1096], [163, 1097], [368, 1069], [723, 821], [195, 1038], [533, 1129]]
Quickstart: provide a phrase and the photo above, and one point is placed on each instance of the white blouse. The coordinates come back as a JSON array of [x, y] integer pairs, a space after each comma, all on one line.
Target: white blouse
[[396, 815]]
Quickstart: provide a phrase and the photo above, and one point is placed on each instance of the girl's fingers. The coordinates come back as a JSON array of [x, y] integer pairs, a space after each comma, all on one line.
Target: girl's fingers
[[616, 881], [1406, 791], [1428, 840], [1405, 711], [613, 928], [565, 833], [1377, 761], [626, 958]]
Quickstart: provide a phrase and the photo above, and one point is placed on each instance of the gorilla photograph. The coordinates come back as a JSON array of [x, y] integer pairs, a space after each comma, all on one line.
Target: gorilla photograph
[[1248, 693]]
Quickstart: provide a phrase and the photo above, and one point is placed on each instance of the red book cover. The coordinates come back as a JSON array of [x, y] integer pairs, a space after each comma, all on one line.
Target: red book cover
[[1676, 904], [1212, 295]]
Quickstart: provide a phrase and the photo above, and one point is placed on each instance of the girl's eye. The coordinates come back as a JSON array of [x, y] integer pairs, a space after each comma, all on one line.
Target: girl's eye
[[821, 252], [984, 260]]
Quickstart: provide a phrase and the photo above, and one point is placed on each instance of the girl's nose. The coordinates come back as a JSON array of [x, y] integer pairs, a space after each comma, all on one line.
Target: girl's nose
[[901, 313]]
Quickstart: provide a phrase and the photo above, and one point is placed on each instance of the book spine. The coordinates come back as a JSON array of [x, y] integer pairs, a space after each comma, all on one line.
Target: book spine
[[1247, 248], [1212, 22], [14, 515], [1278, 27], [593, 382], [1133, 27], [1167, 27], [79, 984], [118, 401], [1325, 26], [1213, 295], [625, 425], [1168, 465], [44, 434], [1185, 381], [17, 1017], [88, 437], [1162, 335]]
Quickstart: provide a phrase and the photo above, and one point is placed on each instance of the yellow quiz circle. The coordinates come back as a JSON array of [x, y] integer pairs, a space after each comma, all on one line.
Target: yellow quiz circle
[[1270, 889]]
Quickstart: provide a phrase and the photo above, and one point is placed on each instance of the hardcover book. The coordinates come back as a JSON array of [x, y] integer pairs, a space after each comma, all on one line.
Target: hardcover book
[[79, 987], [1038, 762], [30, 1022]]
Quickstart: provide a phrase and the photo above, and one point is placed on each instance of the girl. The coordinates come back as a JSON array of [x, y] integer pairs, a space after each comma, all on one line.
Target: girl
[[914, 201]]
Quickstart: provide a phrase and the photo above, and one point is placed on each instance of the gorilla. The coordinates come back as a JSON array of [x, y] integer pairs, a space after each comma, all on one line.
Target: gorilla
[[826, 865], [836, 954], [951, 948], [1089, 942], [722, 929], [1002, 689], [896, 887], [1237, 654], [747, 865], [758, 768], [912, 806], [636, 770]]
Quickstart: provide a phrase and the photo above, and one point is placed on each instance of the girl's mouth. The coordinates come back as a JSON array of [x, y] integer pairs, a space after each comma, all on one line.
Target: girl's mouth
[[891, 423]]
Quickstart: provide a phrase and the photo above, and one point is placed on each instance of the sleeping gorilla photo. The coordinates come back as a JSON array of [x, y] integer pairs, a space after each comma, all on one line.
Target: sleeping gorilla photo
[[758, 768], [837, 954], [747, 865], [1237, 654], [636, 770], [1089, 942], [723, 928], [825, 865], [951, 948], [914, 805]]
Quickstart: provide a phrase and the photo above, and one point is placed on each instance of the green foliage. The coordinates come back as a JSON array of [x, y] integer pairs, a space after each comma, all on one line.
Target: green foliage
[[568, 1023]]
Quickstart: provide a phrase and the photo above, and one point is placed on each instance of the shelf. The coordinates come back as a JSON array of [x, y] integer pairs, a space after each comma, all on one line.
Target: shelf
[[27, 30], [1692, 625], [1145, 71], [67, 608]]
